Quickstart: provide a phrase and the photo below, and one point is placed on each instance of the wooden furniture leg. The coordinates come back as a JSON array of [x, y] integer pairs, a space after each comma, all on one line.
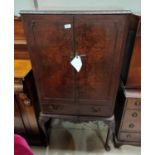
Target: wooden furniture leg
[[43, 119], [111, 130], [107, 147]]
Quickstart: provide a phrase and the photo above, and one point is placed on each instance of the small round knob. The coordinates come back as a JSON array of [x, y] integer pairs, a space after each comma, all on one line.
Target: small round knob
[[131, 125], [52, 107], [137, 103], [128, 136], [96, 109], [134, 114]]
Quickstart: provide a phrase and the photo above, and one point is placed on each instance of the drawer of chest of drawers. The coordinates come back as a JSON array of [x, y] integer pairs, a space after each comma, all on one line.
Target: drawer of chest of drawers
[[131, 120], [132, 115], [133, 103], [129, 136]]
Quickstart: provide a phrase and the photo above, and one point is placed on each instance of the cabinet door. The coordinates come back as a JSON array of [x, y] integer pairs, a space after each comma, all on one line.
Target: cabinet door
[[100, 40], [50, 43]]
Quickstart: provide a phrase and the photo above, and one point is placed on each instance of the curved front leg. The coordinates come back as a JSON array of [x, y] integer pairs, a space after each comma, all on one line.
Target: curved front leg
[[43, 119]]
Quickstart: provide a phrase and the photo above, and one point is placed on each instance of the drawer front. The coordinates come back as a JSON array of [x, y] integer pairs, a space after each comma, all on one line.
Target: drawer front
[[131, 125], [132, 116], [130, 136], [85, 110], [95, 110], [59, 109], [133, 103]]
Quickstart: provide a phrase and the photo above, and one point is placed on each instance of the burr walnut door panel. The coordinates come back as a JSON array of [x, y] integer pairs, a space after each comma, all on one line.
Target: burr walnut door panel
[[100, 42], [54, 39], [50, 38]]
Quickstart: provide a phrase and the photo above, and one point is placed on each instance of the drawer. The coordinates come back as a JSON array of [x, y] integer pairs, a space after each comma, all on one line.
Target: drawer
[[59, 109], [133, 103], [95, 110], [127, 136], [132, 115], [131, 125]]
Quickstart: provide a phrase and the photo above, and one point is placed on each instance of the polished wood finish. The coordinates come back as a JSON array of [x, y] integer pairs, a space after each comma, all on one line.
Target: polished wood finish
[[101, 39], [131, 72], [128, 107], [128, 117], [134, 74]]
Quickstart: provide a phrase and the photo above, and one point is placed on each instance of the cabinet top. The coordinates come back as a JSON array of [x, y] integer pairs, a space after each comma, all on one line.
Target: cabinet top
[[75, 12], [133, 93]]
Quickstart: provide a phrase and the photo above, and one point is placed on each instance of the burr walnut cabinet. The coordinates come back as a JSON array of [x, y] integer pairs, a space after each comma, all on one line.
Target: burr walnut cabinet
[[55, 38], [98, 38]]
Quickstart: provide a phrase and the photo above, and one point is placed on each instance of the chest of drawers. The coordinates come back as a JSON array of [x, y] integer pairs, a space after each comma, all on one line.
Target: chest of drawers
[[129, 117]]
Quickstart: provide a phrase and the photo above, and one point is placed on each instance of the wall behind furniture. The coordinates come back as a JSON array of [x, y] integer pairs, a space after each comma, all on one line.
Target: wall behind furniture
[[132, 5]]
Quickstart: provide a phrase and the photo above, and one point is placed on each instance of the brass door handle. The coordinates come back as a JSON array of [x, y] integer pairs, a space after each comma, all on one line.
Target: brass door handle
[[81, 55]]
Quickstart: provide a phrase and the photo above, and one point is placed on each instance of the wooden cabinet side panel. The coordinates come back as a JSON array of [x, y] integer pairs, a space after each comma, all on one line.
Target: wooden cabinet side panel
[[134, 74]]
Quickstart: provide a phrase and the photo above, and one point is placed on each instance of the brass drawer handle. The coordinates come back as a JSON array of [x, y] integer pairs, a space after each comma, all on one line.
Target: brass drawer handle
[[137, 103], [96, 109], [128, 136], [131, 125], [134, 114], [54, 107]]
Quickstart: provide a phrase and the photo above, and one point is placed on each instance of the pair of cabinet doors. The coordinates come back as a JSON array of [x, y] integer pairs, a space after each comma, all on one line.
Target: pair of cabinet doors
[[54, 40]]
